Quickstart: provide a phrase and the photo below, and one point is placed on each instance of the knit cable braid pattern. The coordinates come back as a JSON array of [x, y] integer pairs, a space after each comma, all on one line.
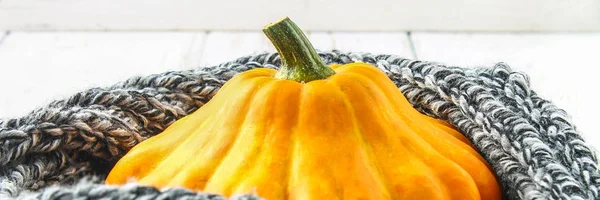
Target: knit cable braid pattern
[[65, 149]]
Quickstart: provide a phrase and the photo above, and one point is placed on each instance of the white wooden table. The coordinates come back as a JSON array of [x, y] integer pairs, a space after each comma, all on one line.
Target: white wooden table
[[37, 67]]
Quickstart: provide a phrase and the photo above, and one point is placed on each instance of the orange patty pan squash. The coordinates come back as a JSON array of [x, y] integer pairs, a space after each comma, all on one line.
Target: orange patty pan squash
[[311, 131]]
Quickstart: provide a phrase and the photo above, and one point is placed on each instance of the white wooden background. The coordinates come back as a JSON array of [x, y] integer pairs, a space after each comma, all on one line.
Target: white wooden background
[[314, 15], [37, 67]]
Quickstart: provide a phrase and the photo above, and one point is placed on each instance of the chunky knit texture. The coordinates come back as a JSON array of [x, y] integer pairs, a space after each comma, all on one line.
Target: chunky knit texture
[[52, 152]]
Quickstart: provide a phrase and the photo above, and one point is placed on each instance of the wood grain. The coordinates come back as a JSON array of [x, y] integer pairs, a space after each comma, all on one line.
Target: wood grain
[[561, 67], [312, 15]]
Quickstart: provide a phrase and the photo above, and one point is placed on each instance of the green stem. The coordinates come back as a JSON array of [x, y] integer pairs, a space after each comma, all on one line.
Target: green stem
[[299, 60]]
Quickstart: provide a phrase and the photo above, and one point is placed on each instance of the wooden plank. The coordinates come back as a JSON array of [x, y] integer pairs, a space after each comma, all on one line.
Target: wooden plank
[[396, 43], [40, 66], [321, 40], [2, 36], [313, 15], [222, 47], [226, 46], [373, 42], [559, 65]]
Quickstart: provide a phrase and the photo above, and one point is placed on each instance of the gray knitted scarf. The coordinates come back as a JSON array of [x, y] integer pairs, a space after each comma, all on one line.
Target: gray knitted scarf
[[65, 149]]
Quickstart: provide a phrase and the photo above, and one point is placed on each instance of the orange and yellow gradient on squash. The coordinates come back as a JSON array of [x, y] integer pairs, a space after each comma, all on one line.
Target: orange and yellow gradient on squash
[[311, 131]]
